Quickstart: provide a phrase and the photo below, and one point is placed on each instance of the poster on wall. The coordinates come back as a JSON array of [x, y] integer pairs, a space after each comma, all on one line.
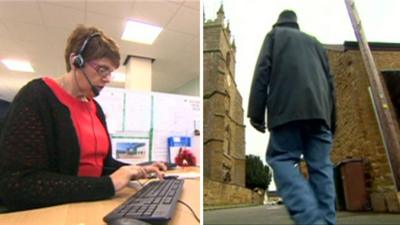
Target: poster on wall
[[131, 150]]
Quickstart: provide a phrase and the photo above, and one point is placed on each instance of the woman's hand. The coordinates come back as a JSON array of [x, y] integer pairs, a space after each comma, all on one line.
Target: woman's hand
[[156, 168], [124, 174]]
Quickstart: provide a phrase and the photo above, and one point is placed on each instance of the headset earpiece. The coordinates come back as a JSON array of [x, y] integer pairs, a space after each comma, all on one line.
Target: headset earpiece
[[79, 62]]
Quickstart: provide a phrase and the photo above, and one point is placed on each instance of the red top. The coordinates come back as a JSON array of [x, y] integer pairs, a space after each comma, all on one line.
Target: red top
[[92, 135]]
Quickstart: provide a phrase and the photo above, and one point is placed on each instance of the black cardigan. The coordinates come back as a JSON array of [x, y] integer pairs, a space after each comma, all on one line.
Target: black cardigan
[[40, 153]]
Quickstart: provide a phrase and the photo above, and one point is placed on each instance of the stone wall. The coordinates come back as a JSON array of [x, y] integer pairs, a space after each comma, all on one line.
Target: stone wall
[[216, 193], [358, 133]]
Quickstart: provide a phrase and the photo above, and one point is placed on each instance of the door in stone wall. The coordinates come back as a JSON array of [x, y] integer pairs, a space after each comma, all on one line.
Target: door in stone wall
[[392, 83]]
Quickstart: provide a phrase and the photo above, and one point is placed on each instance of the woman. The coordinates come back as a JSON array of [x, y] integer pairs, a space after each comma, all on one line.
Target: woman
[[55, 147]]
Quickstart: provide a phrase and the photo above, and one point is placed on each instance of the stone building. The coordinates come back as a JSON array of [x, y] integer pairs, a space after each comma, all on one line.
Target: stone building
[[224, 130], [224, 151], [358, 134]]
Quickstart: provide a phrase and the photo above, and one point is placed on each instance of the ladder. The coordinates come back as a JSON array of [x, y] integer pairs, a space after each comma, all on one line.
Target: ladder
[[387, 123]]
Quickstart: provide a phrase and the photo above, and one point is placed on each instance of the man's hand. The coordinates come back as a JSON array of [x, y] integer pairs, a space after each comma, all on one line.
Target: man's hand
[[258, 126]]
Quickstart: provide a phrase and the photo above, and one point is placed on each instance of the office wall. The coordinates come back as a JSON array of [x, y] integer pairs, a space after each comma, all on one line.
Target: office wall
[[191, 88], [3, 108], [10, 83]]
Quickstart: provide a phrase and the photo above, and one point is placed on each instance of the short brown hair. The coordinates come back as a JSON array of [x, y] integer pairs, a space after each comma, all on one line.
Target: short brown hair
[[98, 47]]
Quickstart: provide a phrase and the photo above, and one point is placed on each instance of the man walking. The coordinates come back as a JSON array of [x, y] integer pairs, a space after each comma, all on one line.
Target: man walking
[[292, 80]]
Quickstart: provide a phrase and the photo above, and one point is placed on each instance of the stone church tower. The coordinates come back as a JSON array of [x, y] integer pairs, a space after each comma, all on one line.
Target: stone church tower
[[224, 145]]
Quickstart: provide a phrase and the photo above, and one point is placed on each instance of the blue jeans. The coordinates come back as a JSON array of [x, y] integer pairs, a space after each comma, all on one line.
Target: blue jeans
[[312, 201]]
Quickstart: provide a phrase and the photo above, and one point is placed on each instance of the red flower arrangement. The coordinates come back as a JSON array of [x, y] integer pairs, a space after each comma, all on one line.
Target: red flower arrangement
[[185, 158]]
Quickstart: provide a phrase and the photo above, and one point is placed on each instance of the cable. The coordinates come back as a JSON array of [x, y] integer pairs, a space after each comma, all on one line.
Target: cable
[[190, 208]]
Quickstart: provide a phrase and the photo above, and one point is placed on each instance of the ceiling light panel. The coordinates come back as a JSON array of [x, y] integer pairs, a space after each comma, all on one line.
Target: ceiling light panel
[[18, 65], [141, 32]]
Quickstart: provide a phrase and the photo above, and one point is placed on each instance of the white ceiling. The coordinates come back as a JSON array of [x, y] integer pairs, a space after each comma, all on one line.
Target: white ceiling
[[37, 31]]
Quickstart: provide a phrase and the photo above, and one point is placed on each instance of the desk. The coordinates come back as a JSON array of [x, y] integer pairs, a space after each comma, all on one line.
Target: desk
[[92, 213]]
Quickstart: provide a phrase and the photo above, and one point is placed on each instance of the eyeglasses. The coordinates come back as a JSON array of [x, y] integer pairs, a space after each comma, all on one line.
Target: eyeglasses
[[103, 71]]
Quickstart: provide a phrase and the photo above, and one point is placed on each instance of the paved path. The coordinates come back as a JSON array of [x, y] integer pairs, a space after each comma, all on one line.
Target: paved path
[[278, 215]]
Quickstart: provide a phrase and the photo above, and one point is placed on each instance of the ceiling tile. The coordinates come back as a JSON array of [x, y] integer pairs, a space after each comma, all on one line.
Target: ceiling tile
[[10, 49], [193, 46], [26, 32], [153, 12], [187, 21], [58, 36], [75, 4], [179, 2], [28, 12], [49, 65], [114, 9], [30, 48], [62, 17], [3, 30], [113, 27], [170, 42], [193, 4]]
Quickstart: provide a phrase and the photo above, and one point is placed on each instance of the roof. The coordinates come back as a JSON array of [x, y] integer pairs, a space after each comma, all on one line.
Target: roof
[[374, 46]]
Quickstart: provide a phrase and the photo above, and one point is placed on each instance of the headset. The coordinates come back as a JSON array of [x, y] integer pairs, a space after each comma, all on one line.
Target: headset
[[79, 61]]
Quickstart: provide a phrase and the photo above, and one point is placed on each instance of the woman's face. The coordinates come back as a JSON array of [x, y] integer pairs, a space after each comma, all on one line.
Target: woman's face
[[98, 71]]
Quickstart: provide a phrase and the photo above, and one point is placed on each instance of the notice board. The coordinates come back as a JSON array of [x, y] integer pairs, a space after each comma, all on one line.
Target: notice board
[[141, 122]]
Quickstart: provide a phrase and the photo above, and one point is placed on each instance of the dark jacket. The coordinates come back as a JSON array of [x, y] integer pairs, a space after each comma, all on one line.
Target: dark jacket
[[40, 153], [292, 80]]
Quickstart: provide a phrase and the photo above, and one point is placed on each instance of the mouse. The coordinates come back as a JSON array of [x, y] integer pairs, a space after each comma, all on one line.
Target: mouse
[[127, 221]]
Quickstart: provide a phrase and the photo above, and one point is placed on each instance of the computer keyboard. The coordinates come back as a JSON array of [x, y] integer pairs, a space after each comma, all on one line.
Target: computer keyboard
[[155, 203]]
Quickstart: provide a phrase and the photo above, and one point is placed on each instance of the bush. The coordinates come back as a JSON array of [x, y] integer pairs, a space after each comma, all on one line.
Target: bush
[[257, 174]]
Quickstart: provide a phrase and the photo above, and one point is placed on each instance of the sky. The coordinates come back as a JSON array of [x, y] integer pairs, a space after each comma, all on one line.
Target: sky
[[327, 20]]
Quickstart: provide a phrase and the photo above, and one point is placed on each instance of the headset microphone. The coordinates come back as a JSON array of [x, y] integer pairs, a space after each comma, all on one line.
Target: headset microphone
[[79, 62], [94, 88]]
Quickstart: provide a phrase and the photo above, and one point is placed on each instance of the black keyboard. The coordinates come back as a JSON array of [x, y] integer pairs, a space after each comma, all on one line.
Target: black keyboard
[[154, 203]]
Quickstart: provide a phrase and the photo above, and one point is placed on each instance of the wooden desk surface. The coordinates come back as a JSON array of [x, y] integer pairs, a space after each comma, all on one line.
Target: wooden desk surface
[[92, 213]]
